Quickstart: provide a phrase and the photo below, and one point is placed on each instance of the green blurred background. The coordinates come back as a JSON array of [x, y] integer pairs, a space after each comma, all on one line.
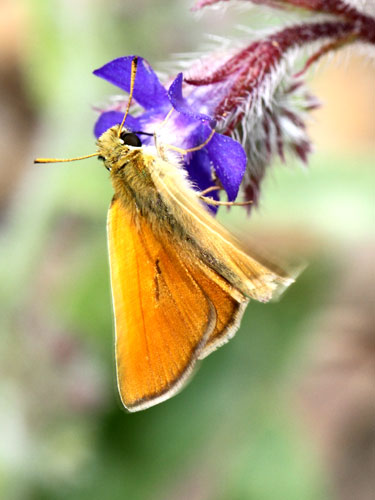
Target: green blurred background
[[286, 409]]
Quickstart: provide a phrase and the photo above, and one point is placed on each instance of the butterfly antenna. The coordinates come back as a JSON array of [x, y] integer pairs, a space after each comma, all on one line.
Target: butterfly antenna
[[61, 160], [132, 80]]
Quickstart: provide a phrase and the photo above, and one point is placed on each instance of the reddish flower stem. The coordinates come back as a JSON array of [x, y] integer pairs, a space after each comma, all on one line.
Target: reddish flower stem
[[363, 24], [253, 63]]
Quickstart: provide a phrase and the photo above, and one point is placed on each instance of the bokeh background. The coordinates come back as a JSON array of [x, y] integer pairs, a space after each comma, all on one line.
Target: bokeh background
[[286, 409]]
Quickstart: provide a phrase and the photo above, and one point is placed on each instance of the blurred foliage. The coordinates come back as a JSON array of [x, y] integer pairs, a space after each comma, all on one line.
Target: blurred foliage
[[234, 432]]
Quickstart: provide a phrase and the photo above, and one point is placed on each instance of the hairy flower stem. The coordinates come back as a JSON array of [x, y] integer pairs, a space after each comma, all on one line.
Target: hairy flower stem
[[263, 56]]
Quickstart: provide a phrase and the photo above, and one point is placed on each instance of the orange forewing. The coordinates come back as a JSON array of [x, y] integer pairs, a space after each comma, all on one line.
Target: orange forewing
[[163, 317]]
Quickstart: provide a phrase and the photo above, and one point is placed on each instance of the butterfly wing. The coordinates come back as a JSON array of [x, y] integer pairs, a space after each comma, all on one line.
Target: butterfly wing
[[229, 305], [218, 249], [175, 301], [163, 316], [230, 275]]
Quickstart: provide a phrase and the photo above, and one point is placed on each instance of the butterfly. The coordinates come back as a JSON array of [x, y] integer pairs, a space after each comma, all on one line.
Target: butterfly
[[180, 281]]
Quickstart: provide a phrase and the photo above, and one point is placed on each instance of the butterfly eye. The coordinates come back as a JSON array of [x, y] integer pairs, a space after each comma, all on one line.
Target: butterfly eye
[[131, 139]]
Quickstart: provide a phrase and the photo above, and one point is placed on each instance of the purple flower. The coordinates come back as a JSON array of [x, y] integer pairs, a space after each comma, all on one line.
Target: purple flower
[[222, 161], [251, 91]]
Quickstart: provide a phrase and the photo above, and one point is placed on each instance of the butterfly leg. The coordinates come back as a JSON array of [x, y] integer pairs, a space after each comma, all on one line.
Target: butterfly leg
[[175, 148], [216, 203], [210, 189], [210, 201], [190, 150]]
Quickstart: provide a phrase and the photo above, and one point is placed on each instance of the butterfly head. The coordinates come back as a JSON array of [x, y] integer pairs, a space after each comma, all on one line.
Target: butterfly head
[[114, 148]]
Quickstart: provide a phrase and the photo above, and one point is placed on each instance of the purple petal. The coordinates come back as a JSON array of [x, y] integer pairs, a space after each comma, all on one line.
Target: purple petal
[[180, 104], [199, 170], [110, 118], [148, 91], [229, 161]]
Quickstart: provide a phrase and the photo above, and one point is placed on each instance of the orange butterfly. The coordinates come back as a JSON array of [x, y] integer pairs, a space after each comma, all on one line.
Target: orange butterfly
[[180, 281]]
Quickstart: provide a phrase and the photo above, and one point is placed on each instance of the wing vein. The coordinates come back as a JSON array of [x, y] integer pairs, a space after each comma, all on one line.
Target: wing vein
[[142, 314]]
